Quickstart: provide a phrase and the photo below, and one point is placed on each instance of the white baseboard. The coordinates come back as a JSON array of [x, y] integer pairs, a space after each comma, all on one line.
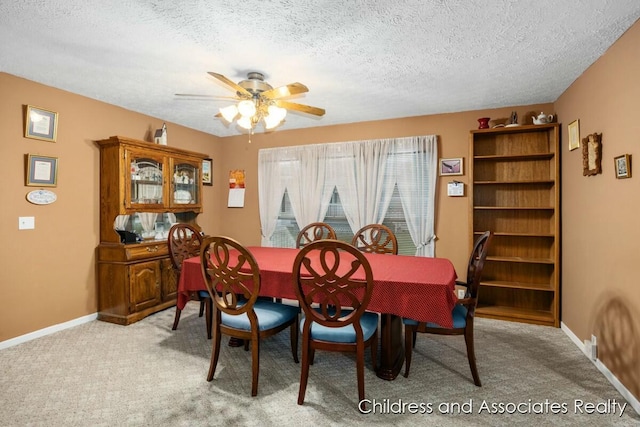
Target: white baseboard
[[47, 331], [633, 401]]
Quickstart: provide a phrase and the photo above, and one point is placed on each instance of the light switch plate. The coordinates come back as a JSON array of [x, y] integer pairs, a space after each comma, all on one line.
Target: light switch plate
[[26, 222]]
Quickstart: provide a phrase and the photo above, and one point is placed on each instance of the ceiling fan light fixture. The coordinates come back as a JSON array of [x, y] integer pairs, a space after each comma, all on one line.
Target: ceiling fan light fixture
[[229, 113], [246, 108], [270, 122], [277, 112], [245, 122]]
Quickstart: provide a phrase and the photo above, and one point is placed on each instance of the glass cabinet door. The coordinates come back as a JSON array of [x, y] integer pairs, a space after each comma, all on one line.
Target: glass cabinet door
[[186, 182], [146, 180]]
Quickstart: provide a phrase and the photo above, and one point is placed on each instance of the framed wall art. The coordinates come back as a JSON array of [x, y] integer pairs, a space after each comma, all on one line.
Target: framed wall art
[[592, 154], [42, 171], [40, 124], [623, 166], [574, 135], [451, 166], [207, 172]]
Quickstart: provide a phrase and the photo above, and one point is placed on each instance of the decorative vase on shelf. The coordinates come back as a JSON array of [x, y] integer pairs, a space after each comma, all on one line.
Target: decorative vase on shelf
[[483, 122]]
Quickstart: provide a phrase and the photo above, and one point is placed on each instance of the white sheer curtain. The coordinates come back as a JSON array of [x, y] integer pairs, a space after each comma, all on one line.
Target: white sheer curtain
[[148, 221], [305, 184], [364, 176], [270, 189], [416, 179], [120, 223]]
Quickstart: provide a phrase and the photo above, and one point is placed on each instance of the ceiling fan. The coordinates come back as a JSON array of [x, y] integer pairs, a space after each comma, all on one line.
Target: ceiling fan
[[259, 102]]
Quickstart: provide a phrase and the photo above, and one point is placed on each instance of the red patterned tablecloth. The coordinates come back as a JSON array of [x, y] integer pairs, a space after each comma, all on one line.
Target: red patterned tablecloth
[[417, 287]]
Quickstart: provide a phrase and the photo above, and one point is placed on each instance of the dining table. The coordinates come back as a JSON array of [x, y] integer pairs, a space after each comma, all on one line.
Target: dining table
[[420, 288]]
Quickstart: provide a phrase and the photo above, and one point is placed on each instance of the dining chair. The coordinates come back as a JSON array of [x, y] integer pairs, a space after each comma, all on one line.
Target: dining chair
[[376, 238], [232, 277], [333, 282], [184, 242], [314, 231], [462, 314]]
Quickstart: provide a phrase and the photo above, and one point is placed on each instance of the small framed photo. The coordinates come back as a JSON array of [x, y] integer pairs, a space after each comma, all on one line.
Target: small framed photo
[[40, 124], [42, 171], [451, 166], [207, 171], [574, 135], [623, 166]]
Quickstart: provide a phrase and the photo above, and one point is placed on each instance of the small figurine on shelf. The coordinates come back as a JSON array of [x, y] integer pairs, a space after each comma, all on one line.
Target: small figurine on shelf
[[514, 118], [160, 136]]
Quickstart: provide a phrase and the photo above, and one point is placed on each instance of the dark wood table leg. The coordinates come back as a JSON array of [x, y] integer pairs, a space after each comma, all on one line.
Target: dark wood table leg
[[235, 342], [391, 350]]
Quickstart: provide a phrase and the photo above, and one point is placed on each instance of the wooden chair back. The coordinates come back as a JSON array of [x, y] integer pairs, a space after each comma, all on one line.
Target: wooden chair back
[[314, 231], [231, 274], [376, 238], [331, 278], [476, 265], [184, 242]]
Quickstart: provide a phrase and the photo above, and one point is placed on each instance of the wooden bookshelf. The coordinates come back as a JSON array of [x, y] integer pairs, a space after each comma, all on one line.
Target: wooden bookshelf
[[515, 192]]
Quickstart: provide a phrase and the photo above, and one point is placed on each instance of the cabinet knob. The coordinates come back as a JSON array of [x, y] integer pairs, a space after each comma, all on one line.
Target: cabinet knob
[[152, 249]]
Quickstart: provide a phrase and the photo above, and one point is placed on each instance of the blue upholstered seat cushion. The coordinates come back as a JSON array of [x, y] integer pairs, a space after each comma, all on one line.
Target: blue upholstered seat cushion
[[459, 314], [270, 314], [203, 294], [345, 334]]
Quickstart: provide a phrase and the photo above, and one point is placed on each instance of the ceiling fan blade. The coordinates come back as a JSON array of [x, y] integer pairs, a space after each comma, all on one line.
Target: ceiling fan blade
[[300, 107], [284, 91], [237, 87]]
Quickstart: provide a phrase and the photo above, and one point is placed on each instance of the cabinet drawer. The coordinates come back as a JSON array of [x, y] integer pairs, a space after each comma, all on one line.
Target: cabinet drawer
[[110, 252], [147, 250]]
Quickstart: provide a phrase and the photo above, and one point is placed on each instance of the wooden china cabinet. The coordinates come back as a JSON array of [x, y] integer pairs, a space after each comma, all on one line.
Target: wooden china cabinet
[[139, 179]]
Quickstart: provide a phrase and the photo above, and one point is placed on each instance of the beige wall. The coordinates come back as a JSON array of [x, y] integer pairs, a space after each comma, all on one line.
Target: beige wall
[[600, 231], [47, 275]]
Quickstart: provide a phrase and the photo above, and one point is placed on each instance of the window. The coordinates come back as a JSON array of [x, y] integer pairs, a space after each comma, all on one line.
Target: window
[[287, 228], [350, 185]]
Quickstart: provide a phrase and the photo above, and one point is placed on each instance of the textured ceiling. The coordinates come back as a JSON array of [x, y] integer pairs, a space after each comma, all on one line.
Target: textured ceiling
[[362, 60]]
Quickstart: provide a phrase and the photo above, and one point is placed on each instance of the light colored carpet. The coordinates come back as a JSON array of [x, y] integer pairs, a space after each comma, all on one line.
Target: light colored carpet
[[145, 374]]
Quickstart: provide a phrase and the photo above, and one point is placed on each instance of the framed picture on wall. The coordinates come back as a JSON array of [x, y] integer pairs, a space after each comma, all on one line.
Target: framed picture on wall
[[592, 154], [42, 171], [207, 171], [623, 166], [40, 124], [574, 135], [451, 166]]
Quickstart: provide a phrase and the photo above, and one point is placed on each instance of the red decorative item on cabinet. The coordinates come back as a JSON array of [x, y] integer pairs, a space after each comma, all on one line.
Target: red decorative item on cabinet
[[483, 122]]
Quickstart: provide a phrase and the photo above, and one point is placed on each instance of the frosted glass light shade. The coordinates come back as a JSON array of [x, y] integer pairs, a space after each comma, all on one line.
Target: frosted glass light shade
[[229, 113], [245, 122], [270, 122], [246, 108], [277, 112]]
